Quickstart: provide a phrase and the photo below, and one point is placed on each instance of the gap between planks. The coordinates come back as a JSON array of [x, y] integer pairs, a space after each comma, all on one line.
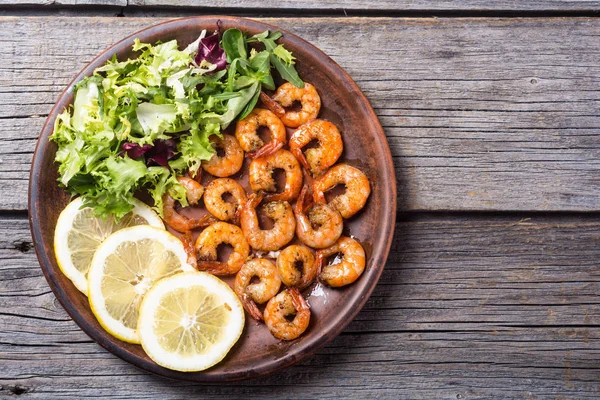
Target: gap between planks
[[169, 12], [307, 8]]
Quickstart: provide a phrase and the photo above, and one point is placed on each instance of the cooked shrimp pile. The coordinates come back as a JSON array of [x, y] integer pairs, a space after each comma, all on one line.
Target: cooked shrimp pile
[[306, 228]]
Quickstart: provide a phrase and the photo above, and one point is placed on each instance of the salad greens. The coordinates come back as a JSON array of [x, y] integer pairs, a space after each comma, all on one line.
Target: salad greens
[[138, 124]]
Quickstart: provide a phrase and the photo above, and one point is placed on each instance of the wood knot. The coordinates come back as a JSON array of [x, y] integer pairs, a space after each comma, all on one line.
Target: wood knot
[[23, 247], [534, 81], [16, 389]]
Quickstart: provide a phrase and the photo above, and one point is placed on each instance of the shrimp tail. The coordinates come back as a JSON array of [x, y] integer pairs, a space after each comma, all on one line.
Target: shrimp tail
[[297, 299], [306, 279], [304, 200], [320, 262], [271, 104], [268, 149], [252, 308], [213, 267], [319, 197], [254, 200], [304, 282], [297, 152], [276, 197], [203, 221], [188, 245], [206, 220], [236, 217]]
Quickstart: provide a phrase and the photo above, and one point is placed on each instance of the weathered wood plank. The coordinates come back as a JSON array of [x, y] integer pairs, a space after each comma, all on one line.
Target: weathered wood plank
[[399, 366], [416, 5], [480, 114], [116, 3], [481, 307]]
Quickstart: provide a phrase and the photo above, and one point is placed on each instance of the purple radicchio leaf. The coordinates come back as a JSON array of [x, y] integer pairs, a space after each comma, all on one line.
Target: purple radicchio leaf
[[158, 154], [134, 151], [210, 50]]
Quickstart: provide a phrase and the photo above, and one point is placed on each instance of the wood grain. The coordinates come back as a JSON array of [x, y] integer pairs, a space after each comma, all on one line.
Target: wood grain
[[116, 3], [479, 307], [429, 5], [349, 5], [480, 114]]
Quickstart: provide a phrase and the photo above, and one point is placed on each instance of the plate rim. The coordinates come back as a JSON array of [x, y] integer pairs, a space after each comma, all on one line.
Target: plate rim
[[296, 355]]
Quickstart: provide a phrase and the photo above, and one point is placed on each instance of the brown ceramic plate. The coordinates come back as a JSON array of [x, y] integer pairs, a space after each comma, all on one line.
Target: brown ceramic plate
[[365, 146]]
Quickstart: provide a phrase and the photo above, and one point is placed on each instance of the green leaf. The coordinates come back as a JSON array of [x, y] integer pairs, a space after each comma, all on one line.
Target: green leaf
[[124, 173], [195, 146], [284, 55], [234, 44], [250, 106], [226, 95], [275, 35], [287, 72], [243, 81], [86, 106], [260, 61], [156, 118], [178, 165], [267, 82], [161, 182], [231, 72], [244, 67], [257, 37], [237, 105]]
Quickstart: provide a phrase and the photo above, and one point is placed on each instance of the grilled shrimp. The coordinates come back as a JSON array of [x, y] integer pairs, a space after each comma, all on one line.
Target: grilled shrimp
[[211, 238], [232, 160], [286, 95], [193, 189], [287, 303], [288, 264], [357, 192], [317, 159], [273, 239], [321, 226], [177, 221], [261, 175], [217, 206], [252, 293], [349, 269], [246, 132]]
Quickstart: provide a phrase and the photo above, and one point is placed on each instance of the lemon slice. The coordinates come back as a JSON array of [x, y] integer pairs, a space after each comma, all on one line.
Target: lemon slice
[[190, 321], [78, 234], [124, 267]]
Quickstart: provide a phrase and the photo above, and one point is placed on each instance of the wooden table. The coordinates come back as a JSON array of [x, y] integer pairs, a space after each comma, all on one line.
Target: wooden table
[[491, 109]]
